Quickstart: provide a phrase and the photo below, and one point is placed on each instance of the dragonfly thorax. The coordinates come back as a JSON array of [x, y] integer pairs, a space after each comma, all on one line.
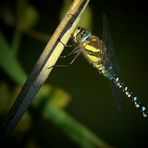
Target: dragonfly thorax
[[80, 35]]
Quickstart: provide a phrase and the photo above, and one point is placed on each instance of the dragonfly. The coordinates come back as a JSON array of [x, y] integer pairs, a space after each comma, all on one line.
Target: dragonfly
[[98, 53]]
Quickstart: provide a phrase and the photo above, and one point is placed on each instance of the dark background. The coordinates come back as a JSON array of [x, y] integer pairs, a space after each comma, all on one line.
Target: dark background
[[92, 102]]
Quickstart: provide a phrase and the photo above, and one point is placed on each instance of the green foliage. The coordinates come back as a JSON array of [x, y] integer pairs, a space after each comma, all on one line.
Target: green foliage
[[26, 14], [86, 22], [74, 129], [24, 17], [9, 63]]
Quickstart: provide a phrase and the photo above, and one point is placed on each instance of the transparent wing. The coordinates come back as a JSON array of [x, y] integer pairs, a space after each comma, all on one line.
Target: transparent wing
[[106, 37]]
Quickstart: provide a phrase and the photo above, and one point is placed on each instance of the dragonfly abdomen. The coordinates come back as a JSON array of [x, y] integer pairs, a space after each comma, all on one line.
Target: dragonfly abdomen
[[134, 99]]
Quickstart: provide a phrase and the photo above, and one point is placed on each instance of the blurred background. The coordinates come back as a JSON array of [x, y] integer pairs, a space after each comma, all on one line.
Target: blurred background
[[75, 107]]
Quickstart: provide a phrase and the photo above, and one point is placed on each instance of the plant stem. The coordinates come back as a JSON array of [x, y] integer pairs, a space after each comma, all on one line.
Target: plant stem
[[41, 69]]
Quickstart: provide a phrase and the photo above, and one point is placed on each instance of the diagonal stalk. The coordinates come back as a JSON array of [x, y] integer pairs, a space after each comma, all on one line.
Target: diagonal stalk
[[41, 71]]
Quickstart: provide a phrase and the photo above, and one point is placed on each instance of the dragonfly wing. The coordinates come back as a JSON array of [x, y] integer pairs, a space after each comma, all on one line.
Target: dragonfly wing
[[116, 96], [106, 37]]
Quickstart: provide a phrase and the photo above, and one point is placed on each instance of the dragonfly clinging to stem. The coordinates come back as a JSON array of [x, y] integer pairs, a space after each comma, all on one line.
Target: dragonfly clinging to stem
[[97, 52]]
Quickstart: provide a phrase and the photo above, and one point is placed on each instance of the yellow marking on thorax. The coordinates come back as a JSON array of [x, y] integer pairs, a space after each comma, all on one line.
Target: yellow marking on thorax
[[93, 58], [93, 39], [90, 48], [85, 43]]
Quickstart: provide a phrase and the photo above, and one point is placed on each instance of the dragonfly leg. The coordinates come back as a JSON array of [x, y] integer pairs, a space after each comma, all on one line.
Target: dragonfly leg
[[69, 46], [71, 53], [66, 65]]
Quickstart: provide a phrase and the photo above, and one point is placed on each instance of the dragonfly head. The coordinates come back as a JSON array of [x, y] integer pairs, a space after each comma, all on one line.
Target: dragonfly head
[[80, 35]]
